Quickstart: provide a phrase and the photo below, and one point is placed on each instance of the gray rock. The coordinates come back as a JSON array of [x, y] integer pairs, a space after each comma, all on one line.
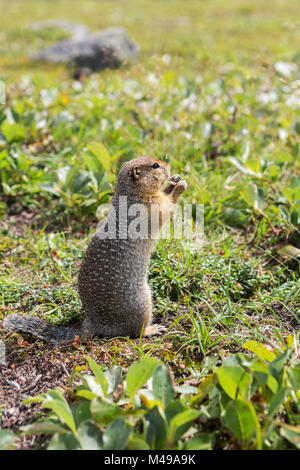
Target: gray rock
[[97, 51], [75, 29]]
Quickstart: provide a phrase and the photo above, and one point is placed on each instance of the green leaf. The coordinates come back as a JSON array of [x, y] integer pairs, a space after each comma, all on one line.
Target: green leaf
[[101, 153], [233, 380], [13, 132], [66, 441], [92, 384], [149, 400], [238, 418], [156, 428], [181, 422], [276, 401], [203, 441], [103, 412], [116, 435], [99, 374], [82, 412], [291, 434], [136, 443], [86, 394], [7, 439], [134, 131], [205, 387], [42, 427], [89, 436], [162, 385], [59, 405], [244, 169], [262, 374], [289, 251], [260, 350], [173, 409], [114, 377], [138, 374]]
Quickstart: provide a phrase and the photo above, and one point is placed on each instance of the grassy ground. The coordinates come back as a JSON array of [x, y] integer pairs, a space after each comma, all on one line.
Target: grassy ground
[[216, 93]]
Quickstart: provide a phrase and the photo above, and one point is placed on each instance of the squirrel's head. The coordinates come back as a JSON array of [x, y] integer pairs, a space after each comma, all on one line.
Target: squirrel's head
[[142, 176]]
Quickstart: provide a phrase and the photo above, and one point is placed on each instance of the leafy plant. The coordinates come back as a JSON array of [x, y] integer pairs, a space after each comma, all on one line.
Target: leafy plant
[[255, 400]]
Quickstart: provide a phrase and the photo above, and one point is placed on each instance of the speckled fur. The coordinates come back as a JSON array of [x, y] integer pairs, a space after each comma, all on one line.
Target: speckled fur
[[112, 280]]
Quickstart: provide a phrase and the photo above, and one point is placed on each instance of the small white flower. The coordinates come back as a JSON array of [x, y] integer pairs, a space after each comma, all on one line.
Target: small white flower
[[187, 135], [268, 97], [282, 133], [285, 68], [166, 59], [103, 125], [77, 86], [152, 79], [41, 124], [206, 130], [293, 101], [118, 124]]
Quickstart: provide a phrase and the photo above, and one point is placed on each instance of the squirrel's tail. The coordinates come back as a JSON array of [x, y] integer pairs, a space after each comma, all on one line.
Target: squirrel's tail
[[40, 329]]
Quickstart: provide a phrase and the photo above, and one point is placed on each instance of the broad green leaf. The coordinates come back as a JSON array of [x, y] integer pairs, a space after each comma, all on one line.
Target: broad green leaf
[[156, 428], [203, 441], [162, 385], [277, 366], [149, 400], [260, 350], [181, 422], [186, 390], [59, 405], [62, 174], [82, 412], [7, 439], [173, 409], [89, 436], [291, 434], [99, 374], [114, 377], [103, 412], [116, 435], [13, 132], [101, 153], [253, 196], [86, 394], [136, 443], [262, 373], [139, 373], [276, 401], [92, 384], [205, 387], [42, 427], [64, 441], [238, 418], [289, 251], [134, 131], [233, 380], [244, 169]]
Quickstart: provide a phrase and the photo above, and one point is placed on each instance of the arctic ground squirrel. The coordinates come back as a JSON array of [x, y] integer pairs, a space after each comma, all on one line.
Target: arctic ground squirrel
[[112, 280]]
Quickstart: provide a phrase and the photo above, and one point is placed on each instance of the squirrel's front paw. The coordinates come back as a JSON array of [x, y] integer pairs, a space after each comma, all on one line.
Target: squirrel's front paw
[[175, 187], [174, 179]]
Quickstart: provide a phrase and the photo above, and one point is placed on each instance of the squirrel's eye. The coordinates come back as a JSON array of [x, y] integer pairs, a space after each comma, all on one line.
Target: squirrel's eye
[[155, 165]]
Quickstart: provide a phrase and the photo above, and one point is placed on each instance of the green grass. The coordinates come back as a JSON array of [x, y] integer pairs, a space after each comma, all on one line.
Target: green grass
[[207, 96]]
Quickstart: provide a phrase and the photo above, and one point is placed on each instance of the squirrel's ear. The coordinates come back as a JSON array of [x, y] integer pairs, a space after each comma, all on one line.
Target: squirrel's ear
[[135, 173]]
